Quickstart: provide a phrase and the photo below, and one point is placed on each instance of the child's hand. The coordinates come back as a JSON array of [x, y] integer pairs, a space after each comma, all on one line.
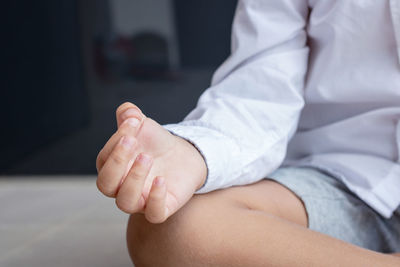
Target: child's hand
[[146, 168]]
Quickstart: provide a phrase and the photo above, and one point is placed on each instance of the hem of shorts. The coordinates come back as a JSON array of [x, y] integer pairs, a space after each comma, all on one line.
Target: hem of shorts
[[312, 221], [308, 206]]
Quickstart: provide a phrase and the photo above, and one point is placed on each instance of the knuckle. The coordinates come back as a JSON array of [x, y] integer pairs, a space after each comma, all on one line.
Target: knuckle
[[126, 129], [118, 158], [104, 188], [139, 169], [138, 172], [124, 205], [156, 196]]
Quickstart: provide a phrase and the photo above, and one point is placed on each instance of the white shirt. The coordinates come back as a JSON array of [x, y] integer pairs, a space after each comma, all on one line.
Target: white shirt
[[308, 83]]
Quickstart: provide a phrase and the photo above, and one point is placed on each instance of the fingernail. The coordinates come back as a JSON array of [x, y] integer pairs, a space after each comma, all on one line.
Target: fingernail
[[133, 122], [145, 159], [159, 181], [130, 113], [127, 142]]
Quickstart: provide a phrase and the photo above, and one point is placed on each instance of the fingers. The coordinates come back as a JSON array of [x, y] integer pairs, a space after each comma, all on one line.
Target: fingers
[[156, 209], [128, 110], [113, 171], [129, 119], [129, 127], [129, 198]]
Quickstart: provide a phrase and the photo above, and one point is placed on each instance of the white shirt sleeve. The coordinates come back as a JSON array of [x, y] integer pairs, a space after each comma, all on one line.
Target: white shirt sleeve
[[243, 122]]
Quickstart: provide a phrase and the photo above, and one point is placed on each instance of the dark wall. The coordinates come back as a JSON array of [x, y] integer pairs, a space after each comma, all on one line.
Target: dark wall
[[56, 110], [43, 97], [204, 28]]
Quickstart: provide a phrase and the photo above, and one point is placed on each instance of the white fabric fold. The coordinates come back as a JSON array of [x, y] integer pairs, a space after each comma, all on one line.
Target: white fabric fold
[[341, 59]]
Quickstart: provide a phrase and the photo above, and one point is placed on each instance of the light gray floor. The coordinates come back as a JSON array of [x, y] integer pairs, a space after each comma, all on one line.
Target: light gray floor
[[47, 221]]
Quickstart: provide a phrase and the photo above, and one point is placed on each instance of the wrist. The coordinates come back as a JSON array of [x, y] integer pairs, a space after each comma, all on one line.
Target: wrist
[[196, 160]]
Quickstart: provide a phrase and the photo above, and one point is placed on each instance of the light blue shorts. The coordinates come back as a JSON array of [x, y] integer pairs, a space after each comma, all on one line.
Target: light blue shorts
[[334, 210]]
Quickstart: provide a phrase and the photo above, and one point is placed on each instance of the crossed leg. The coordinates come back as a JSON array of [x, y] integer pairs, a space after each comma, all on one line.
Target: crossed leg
[[262, 224]]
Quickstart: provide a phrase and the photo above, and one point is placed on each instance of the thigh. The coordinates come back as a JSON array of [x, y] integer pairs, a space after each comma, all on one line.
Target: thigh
[[261, 224], [264, 196], [213, 227]]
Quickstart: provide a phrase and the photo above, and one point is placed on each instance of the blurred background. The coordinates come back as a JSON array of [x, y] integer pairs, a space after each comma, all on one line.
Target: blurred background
[[68, 64]]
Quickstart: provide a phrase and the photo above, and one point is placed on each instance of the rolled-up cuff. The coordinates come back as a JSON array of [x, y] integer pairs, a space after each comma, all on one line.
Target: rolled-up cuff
[[213, 146]]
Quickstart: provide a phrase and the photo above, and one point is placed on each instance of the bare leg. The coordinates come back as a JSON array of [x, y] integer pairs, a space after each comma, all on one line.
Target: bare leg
[[263, 224]]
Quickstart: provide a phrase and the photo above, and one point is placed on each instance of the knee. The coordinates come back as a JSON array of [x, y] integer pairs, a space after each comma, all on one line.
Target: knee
[[182, 240]]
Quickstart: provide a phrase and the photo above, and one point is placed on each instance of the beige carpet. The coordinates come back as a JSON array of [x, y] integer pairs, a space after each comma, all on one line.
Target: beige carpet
[[59, 221]]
